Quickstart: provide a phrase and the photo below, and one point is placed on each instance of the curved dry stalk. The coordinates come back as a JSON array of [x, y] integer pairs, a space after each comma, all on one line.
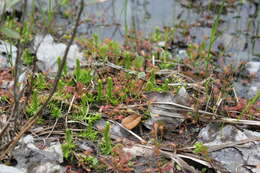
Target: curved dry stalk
[[34, 118], [12, 119]]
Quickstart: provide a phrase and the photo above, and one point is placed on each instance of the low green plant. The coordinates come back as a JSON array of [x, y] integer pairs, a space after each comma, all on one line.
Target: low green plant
[[34, 105], [91, 161], [109, 92], [156, 35], [82, 75], [109, 49], [127, 59], [40, 82], [68, 146], [103, 52], [99, 90], [167, 61], [82, 115], [251, 102], [3, 99], [26, 32], [138, 62], [106, 144], [55, 110], [27, 57], [96, 40], [65, 68], [110, 87], [200, 148], [151, 83], [213, 34], [64, 2], [90, 133]]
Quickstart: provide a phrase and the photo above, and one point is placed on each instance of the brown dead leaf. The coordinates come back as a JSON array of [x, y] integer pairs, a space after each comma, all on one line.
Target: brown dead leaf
[[131, 121]]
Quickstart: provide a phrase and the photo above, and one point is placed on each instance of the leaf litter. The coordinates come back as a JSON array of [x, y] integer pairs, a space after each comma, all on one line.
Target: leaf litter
[[156, 110]]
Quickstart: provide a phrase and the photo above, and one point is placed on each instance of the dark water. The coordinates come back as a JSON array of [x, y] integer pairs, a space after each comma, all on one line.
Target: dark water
[[238, 30], [240, 21]]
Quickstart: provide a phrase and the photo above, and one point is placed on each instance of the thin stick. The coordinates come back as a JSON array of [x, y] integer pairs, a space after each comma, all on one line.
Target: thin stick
[[52, 128], [15, 110], [231, 144], [235, 93], [221, 119], [132, 133], [34, 118], [185, 107]]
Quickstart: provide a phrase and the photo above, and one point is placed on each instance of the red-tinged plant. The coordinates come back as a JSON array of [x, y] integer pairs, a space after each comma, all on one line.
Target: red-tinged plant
[[78, 90], [239, 107], [119, 162]]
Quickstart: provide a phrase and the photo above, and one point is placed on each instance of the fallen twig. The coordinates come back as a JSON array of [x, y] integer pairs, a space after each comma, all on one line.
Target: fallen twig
[[231, 144], [132, 133], [218, 118], [34, 118]]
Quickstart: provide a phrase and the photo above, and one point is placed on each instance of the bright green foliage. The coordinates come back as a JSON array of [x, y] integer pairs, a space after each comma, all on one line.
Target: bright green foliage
[[27, 57], [152, 86], [69, 146], [26, 32], [156, 35], [90, 133], [90, 98], [89, 119], [99, 90], [127, 59], [115, 47], [167, 62], [139, 62], [106, 144], [84, 109], [65, 68], [92, 161], [109, 92], [33, 107], [200, 148], [82, 75], [103, 51], [64, 2], [110, 87], [55, 110], [40, 82], [166, 35], [251, 102], [96, 40], [109, 49]]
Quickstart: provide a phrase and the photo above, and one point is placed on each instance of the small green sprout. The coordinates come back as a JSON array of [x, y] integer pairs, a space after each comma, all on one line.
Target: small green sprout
[[69, 146], [99, 90], [55, 111], [110, 87], [200, 148], [33, 107], [82, 75], [106, 144]]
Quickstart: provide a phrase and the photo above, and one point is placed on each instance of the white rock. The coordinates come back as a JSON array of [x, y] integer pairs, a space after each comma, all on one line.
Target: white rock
[[9, 169], [253, 67], [48, 53], [7, 51]]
